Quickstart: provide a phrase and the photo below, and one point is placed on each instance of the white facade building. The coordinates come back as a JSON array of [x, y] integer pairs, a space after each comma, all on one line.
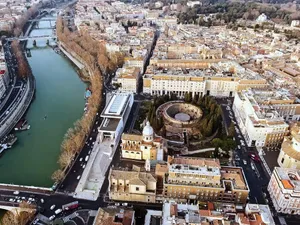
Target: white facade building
[[114, 116], [203, 77], [284, 189], [259, 122]]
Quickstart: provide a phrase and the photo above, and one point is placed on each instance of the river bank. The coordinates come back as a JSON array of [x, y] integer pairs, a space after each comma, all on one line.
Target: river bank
[[59, 97]]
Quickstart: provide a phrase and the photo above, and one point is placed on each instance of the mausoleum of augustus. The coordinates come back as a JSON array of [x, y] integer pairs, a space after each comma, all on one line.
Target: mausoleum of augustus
[[179, 118]]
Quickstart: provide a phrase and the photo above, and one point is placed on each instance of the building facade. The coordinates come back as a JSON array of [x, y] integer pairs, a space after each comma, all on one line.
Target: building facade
[[143, 147], [132, 185], [193, 179], [4, 76], [284, 189], [289, 156], [259, 121], [128, 79], [202, 77]]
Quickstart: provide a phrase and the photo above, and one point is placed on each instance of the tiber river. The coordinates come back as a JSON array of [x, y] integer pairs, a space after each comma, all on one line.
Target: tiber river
[[59, 99]]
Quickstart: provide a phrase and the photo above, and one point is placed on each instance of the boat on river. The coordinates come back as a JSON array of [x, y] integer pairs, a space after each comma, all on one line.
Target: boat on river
[[7, 142], [22, 125]]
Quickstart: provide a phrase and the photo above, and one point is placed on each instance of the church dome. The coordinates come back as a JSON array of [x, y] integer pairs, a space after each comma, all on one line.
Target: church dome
[[148, 130]]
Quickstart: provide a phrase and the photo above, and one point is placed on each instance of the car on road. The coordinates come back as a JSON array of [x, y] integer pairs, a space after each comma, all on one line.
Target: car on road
[[86, 158], [16, 192], [80, 159], [58, 211], [12, 200], [52, 217], [245, 162], [83, 166], [254, 157], [252, 166], [78, 177], [52, 207]]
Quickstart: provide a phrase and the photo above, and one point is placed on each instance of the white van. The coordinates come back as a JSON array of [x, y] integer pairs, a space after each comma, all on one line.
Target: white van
[[86, 158]]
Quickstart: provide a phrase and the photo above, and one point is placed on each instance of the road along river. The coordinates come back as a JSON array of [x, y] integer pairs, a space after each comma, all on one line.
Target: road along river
[[59, 102]]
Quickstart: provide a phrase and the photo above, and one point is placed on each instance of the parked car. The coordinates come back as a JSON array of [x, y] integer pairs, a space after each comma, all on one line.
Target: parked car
[[52, 217], [58, 211], [52, 207]]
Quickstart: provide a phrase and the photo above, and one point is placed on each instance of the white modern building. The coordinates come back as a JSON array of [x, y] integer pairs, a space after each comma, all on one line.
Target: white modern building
[[284, 189], [259, 121], [114, 115]]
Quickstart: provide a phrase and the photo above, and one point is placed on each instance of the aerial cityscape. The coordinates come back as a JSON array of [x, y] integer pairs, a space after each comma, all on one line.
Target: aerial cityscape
[[116, 112]]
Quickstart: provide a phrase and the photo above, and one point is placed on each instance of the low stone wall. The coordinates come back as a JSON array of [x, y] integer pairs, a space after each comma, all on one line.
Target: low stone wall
[[70, 57], [24, 188], [20, 109]]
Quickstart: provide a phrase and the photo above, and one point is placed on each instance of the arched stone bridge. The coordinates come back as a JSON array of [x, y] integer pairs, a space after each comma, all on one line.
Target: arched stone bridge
[[48, 11]]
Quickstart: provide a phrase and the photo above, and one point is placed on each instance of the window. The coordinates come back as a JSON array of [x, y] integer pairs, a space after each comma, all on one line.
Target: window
[[137, 188]]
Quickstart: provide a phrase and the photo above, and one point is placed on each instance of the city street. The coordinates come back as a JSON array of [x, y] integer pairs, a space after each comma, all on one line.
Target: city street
[[256, 177]]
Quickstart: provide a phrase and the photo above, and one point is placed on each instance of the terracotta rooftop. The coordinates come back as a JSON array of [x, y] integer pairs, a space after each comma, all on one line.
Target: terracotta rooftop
[[195, 161], [109, 216]]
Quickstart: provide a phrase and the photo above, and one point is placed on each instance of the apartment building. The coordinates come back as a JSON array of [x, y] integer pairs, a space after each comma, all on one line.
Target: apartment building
[[128, 79], [284, 189], [174, 213], [4, 76], [114, 216], [260, 122], [217, 77], [222, 213], [289, 156], [143, 147], [192, 179], [132, 185]]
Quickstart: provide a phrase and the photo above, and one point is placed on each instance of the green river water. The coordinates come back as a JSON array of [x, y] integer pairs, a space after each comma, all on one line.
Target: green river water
[[59, 96]]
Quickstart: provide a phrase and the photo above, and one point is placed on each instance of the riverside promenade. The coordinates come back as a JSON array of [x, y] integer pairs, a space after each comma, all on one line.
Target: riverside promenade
[[18, 102]]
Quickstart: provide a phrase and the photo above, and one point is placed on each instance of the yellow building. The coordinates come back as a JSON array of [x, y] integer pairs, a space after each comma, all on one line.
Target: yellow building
[[203, 179], [143, 147], [289, 156], [132, 186]]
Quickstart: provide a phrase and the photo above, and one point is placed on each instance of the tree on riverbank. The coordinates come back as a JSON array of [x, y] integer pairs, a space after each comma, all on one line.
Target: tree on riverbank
[[23, 67], [19, 218], [97, 62]]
